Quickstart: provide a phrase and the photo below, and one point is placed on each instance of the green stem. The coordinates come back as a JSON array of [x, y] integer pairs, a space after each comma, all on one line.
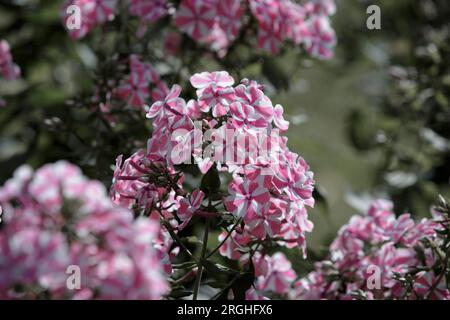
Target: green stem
[[443, 272], [225, 239], [198, 279], [177, 239]]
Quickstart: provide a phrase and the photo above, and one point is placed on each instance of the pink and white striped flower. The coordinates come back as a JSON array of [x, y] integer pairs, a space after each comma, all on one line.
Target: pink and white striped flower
[[134, 89], [149, 10], [172, 103], [278, 118], [93, 13], [320, 38], [214, 91], [426, 285], [246, 196], [196, 18], [189, 206], [61, 218], [269, 39], [229, 13], [274, 274]]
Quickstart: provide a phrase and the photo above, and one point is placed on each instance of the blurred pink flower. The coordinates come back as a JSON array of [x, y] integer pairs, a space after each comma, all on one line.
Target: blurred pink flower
[[55, 218]]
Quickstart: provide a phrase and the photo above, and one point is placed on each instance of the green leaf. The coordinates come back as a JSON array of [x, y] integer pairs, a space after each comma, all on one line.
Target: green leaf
[[210, 183]]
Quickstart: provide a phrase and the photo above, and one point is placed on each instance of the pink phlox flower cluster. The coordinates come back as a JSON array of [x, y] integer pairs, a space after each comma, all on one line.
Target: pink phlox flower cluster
[[146, 184], [55, 219], [217, 24], [307, 24], [269, 191], [149, 10], [140, 86], [273, 206], [274, 276], [378, 244], [135, 87], [92, 14]]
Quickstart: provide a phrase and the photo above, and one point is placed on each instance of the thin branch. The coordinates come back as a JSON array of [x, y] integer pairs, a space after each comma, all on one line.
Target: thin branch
[[198, 279], [225, 239]]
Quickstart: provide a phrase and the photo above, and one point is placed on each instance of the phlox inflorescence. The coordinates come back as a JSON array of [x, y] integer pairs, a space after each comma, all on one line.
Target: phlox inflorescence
[[268, 192], [218, 24], [381, 256], [164, 35], [56, 218]]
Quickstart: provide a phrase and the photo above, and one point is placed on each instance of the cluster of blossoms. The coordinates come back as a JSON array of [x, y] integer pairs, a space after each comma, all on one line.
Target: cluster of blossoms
[[134, 89], [222, 131], [218, 23], [306, 24], [129, 90], [274, 277], [381, 256], [55, 219]]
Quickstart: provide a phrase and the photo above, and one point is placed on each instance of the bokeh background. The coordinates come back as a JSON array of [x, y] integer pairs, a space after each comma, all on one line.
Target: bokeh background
[[366, 121]]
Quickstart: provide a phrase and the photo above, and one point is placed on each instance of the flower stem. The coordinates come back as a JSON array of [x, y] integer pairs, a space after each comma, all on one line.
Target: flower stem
[[198, 279], [225, 239]]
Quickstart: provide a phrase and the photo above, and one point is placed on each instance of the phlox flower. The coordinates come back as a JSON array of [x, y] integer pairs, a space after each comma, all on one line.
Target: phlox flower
[[236, 244], [246, 196], [214, 91], [267, 220], [278, 118], [196, 18], [327, 7], [378, 240], [269, 39], [274, 274], [216, 24], [255, 97], [295, 180], [320, 38], [134, 89], [171, 103], [150, 10], [229, 13], [208, 79], [426, 286], [189, 206], [59, 219], [245, 115], [233, 131], [93, 13]]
